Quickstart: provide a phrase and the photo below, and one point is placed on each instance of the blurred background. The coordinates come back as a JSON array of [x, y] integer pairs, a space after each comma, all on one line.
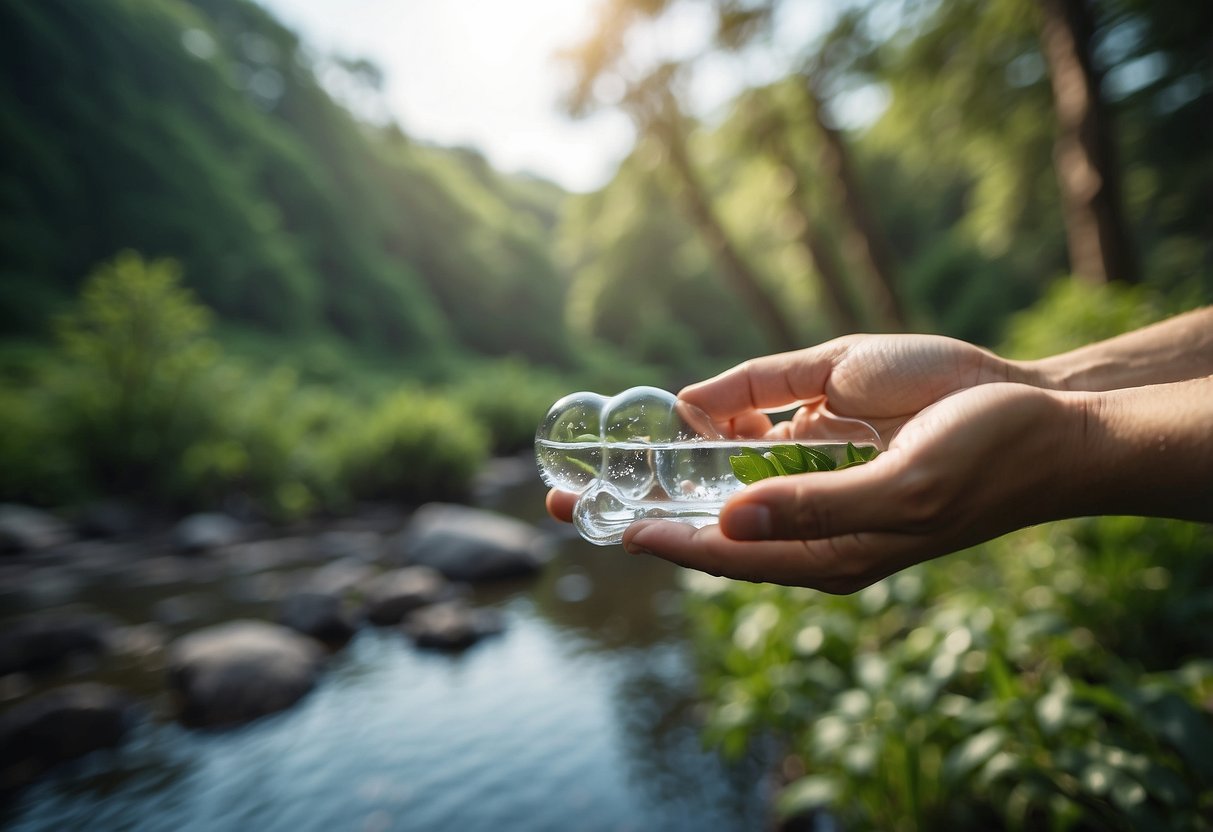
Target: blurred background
[[298, 267]]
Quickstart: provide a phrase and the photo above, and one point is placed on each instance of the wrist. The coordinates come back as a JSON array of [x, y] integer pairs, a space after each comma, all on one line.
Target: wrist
[[1142, 451], [1042, 373]]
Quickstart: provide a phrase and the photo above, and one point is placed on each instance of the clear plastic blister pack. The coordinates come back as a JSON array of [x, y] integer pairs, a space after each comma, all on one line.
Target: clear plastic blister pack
[[647, 454]]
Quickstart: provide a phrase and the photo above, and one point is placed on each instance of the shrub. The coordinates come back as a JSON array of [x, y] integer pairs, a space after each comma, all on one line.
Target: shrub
[[1074, 313], [414, 447], [510, 399], [131, 381], [969, 692], [1056, 678]]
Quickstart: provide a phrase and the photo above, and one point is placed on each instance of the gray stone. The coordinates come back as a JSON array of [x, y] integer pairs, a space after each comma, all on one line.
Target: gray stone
[[319, 615], [392, 595], [340, 576], [25, 529], [188, 608], [61, 725], [451, 625], [108, 518], [46, 640], [468, 544], [364, 546], [207, 530], [236, 672]]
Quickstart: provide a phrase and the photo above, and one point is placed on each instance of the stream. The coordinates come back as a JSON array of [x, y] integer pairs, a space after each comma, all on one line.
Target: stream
[[581, 715]]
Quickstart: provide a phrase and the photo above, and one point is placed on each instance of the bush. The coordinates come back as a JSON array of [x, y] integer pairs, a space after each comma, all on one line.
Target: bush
[[972, 692], [138, 402], [510, 399], [413, 447], [1056, 678], [277, 446], [131, 383], [1074, 313]]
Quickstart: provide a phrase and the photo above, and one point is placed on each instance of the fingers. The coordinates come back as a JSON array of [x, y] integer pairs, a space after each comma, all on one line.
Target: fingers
[[773, 381], [818, 506], [560, 505], [838, 565]]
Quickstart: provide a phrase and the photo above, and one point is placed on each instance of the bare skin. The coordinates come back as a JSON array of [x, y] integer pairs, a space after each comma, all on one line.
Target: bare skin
[[978, 446]]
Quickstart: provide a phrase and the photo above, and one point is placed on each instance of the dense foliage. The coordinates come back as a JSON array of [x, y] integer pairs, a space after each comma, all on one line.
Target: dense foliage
[[199, 131], [1057, 678], [218, 287]]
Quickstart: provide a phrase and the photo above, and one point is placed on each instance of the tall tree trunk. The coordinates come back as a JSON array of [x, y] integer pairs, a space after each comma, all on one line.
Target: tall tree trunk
[[842, 312], [1096, 233], [861, 237], [667, 126]]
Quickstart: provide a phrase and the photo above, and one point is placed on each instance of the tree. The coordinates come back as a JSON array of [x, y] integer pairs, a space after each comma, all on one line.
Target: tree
[[1087, 171]]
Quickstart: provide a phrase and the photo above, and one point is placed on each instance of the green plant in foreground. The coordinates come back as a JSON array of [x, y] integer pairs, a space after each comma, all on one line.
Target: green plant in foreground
[[752, 465]]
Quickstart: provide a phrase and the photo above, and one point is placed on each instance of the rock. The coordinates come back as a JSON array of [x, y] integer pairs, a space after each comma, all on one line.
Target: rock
[[340, 576], [25, 529], [236, 672], [319, 615], [468, 544], [46, 640], [61, 725], [264, 555], [188, 608], [394, 594], [363, 546], [451, 625], [200, 532], [502, 474], [108, 518]]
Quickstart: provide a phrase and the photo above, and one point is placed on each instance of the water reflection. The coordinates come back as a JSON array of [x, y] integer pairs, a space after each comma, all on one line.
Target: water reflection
[[580, 715]]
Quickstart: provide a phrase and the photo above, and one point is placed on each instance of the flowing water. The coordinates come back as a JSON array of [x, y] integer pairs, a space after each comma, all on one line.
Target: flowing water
[[580, 716]]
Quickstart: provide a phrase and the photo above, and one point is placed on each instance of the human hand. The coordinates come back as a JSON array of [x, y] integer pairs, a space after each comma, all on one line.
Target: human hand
[[882, 379], [968, 468]]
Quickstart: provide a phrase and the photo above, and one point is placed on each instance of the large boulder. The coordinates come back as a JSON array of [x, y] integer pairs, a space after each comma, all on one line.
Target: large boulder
[[207, 530], [469, 544], [236, 672], [452, 625], [392, 595], [25, 529], [58, 726], [45, 640], [320, 615]]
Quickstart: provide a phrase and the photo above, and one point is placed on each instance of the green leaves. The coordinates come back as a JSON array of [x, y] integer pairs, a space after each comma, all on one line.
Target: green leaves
[[752, 465]]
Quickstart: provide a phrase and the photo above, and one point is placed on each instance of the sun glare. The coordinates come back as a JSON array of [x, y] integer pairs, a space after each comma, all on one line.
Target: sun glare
[[476, 72]]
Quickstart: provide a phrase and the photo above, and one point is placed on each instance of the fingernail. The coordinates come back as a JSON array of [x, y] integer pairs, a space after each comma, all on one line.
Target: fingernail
[[634, 549], [749, 522]]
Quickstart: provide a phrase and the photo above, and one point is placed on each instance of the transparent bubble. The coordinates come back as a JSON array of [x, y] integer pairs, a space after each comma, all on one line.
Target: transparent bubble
[[645, 453], [568, 444]]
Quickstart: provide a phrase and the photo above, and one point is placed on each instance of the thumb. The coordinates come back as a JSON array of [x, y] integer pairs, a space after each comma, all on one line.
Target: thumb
[[813, 506]]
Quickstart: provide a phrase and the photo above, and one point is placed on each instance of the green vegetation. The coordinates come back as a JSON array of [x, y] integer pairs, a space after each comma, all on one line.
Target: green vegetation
[[218, 284], [137, 401], [751, 465], [1057, 678]]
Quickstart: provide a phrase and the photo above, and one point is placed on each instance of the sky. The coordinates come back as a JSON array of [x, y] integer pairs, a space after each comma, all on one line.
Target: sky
[[475, 72], [484, 73]]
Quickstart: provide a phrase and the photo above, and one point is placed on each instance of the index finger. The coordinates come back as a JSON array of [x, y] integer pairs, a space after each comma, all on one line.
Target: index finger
[[772, 382]]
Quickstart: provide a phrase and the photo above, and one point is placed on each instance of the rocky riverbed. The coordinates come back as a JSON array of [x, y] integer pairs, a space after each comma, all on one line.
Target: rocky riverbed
[[412, 691], [254, 615]]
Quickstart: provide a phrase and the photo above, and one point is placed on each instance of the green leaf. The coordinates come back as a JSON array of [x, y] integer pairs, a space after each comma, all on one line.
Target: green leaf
[[750, 466], [806, 794], [818, 460], [788, 458], [972, 753], [858, 456]]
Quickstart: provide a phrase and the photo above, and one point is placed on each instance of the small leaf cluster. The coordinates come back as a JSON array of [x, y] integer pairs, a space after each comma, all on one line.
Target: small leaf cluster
[[751, 465]]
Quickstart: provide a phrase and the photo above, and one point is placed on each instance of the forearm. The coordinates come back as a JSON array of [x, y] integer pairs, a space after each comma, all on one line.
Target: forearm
[[1146, 450], [1176, 349]]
